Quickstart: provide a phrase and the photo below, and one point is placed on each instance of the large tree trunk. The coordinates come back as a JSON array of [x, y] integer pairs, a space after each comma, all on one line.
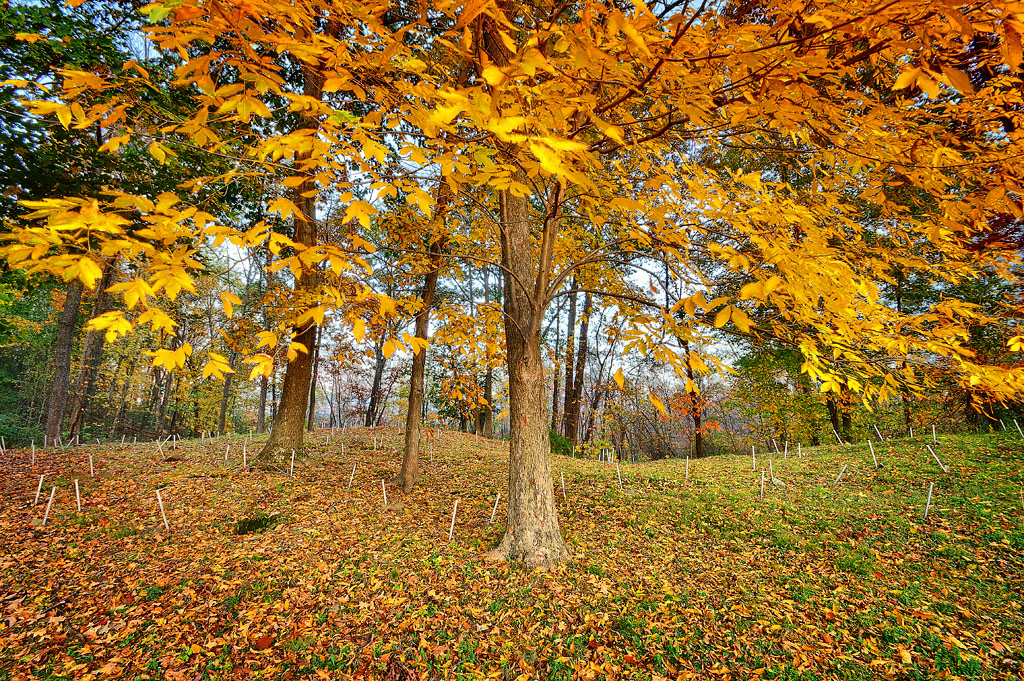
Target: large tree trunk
[[92, 352], [572, 415], [570, 360], [533, 534], [62, 362], [289, 421], [409, 475]]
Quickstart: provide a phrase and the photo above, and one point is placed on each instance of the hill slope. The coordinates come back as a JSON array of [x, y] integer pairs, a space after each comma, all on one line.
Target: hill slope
[[671, 577]]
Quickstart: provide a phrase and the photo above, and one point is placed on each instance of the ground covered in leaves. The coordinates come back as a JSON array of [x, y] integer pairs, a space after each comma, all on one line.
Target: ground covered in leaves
[[677, 575]]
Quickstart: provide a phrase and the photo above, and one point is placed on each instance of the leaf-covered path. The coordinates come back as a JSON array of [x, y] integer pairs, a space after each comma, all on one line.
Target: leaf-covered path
[[672, 577]]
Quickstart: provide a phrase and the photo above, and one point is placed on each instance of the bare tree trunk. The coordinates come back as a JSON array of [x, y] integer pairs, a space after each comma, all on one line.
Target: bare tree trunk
[[570, 360], [62, 361], [698, 436], [572, 416], [289, 421], [409, 475], [558, 373], [261, 414], [92, 352], [375, 388], [533, 534], [489, 376], [312, 383]]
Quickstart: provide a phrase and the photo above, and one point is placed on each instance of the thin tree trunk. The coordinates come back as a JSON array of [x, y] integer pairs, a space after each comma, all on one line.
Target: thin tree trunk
[[409, 474], [312, 383], [572, 417], [375, 388], [489, 375], [558, 373], [570, 360], [62, 361], [698, 436], [289, 422], [92, 352], [261, 414]]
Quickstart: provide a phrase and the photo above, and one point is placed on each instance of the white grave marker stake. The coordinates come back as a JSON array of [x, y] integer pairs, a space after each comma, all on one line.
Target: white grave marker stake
[[48, 504], [872, 448], [226, 448], [928, 503], [839, 476], [38, 490], [941, 465], [934, 440], [880, 438], [452, 528], [762, 484], [687, 466], [78, 498], [799, 450], [495, 509], [385, 490], [291, 469], [785, 451], [563, 485], [771, 470], [160, 501], [911, 432], [351, 477], [1018, 427], [92, 472], [838, 439], [618, 473], [1003, 425]]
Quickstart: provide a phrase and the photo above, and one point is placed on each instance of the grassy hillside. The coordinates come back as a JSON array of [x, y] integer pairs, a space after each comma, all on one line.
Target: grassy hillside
[[671, 577]]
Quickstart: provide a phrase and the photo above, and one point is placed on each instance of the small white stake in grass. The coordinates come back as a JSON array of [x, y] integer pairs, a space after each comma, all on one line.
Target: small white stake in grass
[[385, 490], [122, 440], [872, 448], [911, 432], [839, 476], [762, 484], [78, 498], [495, 509], [618, 473], [799, 450], [934, 439], [785, 451], [1018, 427], [928, 503], [452, 528], [776, 445], [838, 439], [97, 440], [563, 485], [880, 438], [226, 448], [135, 440], [941, 465], [771, 470], [160, 501], [350, 478], [1003, 425], [291, 469], [49, 503], [687, 466], [92, 472], [38, 490]]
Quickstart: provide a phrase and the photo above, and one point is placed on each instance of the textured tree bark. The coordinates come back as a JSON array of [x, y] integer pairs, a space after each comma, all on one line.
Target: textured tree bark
[[532, 534], [62, 361], [290, 419], [92, 352], [489, 376], [375, 388], [409, 474]]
